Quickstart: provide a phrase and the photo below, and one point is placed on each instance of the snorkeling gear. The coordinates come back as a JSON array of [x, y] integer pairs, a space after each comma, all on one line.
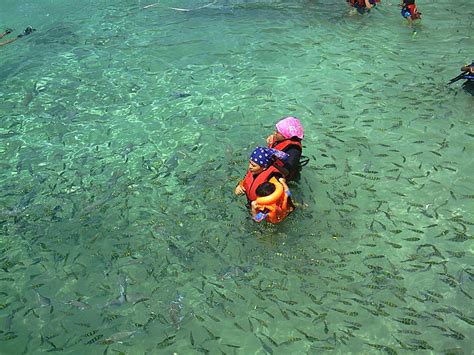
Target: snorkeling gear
[[27, 31]]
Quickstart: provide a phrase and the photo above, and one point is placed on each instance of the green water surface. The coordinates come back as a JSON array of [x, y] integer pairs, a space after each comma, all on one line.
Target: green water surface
[[124, 129]]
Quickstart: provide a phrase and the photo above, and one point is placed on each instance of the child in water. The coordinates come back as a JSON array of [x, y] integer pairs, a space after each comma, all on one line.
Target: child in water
[[409, 10], [265, 187], [273, 202], [288, 137], [362, 6], [411, 13]]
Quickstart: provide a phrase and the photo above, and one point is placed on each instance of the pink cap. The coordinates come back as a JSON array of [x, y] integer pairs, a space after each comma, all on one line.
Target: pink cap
[[290, 127]]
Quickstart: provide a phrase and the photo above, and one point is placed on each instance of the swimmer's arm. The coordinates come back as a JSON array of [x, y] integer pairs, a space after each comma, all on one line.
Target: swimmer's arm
[[6, 32], [263, 210], [8, 41], [368, 4], [254, 209]]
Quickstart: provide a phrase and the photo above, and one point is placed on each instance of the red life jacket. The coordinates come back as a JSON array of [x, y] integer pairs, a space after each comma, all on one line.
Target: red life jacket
[[282, 145], [251, 182], [414, 12], [357, 3]]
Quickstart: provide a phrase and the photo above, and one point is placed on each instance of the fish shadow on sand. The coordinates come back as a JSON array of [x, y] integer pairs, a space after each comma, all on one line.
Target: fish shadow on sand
[[61, 34]]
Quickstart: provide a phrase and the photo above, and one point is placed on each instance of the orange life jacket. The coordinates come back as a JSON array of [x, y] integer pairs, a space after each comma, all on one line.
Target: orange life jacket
[[274, 205]]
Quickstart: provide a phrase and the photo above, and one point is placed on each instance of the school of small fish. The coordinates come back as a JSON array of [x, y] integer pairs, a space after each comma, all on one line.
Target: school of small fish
[[120, 232]]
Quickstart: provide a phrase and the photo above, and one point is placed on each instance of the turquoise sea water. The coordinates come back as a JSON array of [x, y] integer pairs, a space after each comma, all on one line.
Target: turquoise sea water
[[124, 130]]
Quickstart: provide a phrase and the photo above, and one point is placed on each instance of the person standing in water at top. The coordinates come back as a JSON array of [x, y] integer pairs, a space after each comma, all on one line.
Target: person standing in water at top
[[26, 32], [287, 138], [362, 6], [409, 10], [410, 13]]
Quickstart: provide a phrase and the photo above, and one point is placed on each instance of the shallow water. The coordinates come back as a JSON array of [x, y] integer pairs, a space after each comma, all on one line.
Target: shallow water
[[125, 129]]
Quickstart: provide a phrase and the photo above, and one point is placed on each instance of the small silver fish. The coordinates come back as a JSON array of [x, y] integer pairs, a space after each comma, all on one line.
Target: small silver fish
[[135, 298], [44, 301], [122, 280], [119, 337], [175, 310], [77, 304]]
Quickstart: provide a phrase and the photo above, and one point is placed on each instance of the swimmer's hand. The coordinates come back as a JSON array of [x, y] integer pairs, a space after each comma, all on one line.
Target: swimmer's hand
[[285, 186], [239, 190], [271, 139], [260, 216]]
